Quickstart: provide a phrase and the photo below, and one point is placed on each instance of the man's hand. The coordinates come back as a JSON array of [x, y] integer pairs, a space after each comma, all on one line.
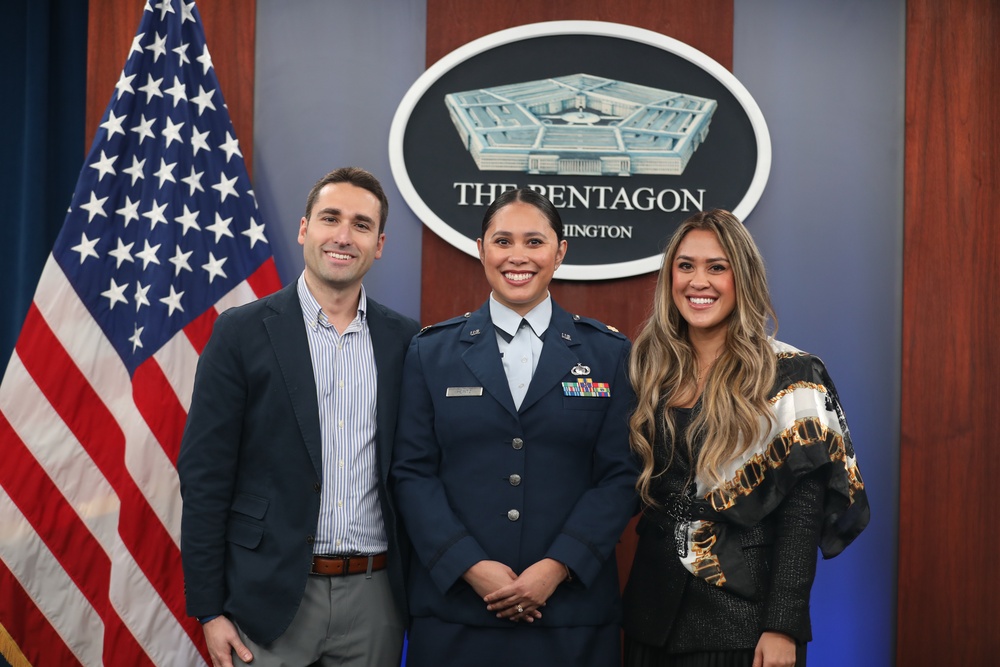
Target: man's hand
[[222, 639], [520, 599]]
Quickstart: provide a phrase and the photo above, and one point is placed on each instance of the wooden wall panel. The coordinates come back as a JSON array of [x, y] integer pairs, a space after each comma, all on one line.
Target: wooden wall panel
[[949, 533], [229, 26], [453, 282]]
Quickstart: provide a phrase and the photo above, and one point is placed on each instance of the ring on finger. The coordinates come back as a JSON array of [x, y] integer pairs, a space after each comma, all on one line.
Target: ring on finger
[[520, 609]]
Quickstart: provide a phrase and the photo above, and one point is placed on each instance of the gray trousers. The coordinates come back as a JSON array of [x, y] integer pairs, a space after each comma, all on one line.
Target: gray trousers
[[350, 620]]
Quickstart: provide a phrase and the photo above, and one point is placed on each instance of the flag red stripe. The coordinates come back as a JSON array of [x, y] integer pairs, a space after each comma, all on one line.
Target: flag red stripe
[[70, 394], [265, 279], [66, 536], [157, 403], [29, 628], [199, 330]]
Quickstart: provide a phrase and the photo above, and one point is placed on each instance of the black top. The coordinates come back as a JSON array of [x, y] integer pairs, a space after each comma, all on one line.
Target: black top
[[665, 605]]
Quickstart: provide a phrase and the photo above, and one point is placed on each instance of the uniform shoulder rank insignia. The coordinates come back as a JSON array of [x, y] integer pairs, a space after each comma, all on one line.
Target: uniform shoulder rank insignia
[[439, 325], [599, 326]]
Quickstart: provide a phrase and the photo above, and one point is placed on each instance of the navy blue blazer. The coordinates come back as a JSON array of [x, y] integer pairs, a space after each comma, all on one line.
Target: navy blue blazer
[[250, 462], [477, 479]]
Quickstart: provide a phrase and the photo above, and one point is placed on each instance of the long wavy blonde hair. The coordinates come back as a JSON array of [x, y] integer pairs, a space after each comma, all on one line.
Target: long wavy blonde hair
[[663, 366]]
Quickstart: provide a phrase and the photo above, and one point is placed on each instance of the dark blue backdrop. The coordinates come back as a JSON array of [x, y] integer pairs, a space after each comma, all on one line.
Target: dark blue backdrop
[[43, 49]]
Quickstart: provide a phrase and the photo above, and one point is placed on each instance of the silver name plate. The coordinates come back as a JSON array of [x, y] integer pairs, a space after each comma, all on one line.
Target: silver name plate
[[464, 391]]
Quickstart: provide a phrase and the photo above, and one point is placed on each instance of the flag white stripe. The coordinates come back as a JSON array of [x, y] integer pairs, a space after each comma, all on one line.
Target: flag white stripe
[[152, 623], [178, 360], [45, 582], [65, 461], [86, 344], [59, 453], [237, 296]]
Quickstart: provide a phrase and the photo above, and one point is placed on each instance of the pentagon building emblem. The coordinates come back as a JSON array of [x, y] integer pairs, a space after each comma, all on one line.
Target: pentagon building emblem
[[580, 125], [626, 131]]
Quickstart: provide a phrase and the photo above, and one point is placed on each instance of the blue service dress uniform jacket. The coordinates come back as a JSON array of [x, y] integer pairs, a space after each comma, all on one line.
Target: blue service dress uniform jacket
[[477, 479]]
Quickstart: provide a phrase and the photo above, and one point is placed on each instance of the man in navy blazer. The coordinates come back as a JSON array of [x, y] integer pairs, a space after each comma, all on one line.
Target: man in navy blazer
[[289, 538]]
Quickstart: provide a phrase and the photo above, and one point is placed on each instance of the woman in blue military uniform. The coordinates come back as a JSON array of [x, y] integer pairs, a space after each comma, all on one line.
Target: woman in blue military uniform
[[511, 469]]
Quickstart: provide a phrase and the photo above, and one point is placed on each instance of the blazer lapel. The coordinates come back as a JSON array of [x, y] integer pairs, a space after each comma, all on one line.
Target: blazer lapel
[[388, 356], [287, 332], [558, 356], [482, 356]]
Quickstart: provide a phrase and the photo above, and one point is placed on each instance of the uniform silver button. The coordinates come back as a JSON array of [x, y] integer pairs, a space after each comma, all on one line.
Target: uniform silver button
[[513, 515], [514, 480], [517, 443]]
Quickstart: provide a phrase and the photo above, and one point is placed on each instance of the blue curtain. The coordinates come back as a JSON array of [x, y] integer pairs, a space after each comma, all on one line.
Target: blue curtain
[[43, 72]]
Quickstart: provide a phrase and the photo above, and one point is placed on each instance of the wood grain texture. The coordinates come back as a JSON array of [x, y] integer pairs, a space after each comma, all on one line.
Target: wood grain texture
[[453, 282], [949, 585], [230, 26]]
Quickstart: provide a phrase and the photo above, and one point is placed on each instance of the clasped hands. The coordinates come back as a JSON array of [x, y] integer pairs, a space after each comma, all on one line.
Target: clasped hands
[[512, 596]]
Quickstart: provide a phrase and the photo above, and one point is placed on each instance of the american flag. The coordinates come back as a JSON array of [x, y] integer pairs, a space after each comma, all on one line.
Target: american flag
[[163, 234]]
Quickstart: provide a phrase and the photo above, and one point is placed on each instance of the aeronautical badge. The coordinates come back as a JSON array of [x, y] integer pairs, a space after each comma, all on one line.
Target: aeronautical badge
[[580, 369], [587, 388], [611, 328]]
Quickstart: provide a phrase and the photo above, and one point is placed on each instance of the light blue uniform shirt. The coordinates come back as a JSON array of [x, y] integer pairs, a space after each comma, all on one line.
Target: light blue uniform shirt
[[520, 354]]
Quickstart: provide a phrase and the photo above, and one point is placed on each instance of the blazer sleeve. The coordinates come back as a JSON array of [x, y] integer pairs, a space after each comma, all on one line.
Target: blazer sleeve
[[207, 467], [596, 523], [439, 538], [799, 520]]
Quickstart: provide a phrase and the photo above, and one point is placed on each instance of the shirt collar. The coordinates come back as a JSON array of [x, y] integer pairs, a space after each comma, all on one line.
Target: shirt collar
[[506, 319], [313, 312]]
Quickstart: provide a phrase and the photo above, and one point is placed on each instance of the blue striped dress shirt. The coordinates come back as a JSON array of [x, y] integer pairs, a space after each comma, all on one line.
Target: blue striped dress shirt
[[350, 517]]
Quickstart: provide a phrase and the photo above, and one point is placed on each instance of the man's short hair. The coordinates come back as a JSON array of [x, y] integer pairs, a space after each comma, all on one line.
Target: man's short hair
[[357, 177]]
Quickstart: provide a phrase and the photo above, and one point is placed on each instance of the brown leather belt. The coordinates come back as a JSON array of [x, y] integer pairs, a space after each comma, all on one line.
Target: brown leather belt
[[335, 566]]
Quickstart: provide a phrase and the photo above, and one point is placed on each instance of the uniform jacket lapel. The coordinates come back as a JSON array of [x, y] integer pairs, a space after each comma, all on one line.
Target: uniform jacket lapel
[[482, 356]]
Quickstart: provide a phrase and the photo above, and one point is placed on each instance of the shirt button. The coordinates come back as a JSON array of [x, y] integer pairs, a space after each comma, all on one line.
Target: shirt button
[[341, 384], [340, 503], [513, 515], [340, 424], [517, 443], [524, 360], [340, 463], [514, 480]]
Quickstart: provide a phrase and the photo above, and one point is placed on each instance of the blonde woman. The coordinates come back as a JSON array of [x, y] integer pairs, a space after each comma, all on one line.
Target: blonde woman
[[747, 465]]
